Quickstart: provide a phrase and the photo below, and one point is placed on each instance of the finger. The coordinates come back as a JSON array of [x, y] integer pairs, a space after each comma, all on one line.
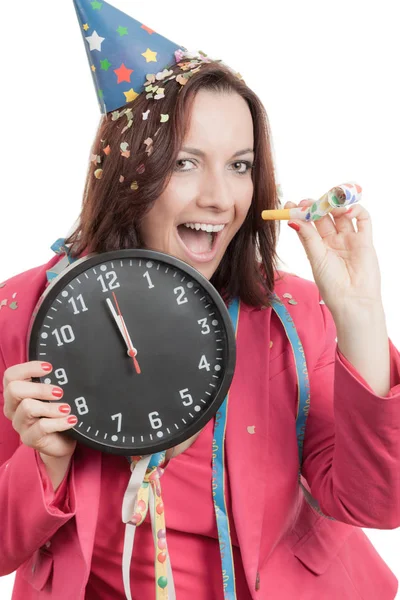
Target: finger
[[33, 368], [363, 219], [18, 390], [40, 434], [30, 410]]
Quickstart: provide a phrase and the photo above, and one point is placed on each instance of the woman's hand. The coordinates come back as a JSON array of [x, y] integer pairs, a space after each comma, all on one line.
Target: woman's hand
[[38, 423], [343, 260]]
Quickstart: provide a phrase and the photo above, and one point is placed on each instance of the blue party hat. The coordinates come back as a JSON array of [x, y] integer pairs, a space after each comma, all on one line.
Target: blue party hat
[[121, 52]]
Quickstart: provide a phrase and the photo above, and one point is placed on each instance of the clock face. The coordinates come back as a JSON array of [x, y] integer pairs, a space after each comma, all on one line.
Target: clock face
[[142, 345]]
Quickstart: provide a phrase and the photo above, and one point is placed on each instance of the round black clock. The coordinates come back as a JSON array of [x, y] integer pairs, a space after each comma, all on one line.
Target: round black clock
[[142, 345]]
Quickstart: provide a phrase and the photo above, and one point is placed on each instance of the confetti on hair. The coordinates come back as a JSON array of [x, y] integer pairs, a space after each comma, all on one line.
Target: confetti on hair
[[107, 150], [149, 144], [134, 185], [121, 179], [163, 74], [98, 173], [124, 149], [164, 118], [182, 79], [145, 115], [160, 94], [115, 115], [140, 169], [127, 126], [96, 158]]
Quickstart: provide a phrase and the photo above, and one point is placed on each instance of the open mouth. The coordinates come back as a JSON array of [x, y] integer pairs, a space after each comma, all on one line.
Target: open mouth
[[200, 239]]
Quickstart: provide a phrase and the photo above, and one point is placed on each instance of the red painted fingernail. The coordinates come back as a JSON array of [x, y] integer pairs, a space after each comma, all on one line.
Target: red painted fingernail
[[57, 392], [72, 420], [46, 367], [64, 408], [294, 226]]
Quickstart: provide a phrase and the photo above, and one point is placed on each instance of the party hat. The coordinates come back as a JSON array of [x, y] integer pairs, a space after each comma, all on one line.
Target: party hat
[[121, 52]]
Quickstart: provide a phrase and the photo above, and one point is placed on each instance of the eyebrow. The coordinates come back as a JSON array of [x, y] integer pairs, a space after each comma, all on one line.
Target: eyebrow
[[198, 152]]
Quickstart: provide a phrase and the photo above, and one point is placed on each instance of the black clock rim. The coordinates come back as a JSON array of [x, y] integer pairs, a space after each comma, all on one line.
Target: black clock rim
[[90, 260]]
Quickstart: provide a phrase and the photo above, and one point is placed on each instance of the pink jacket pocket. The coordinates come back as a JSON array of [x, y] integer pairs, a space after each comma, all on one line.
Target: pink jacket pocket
[[318, 547], [39, 569]]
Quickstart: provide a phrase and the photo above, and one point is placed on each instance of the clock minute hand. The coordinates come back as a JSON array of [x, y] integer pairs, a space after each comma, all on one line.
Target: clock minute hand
[[131, 350], [124, 331]]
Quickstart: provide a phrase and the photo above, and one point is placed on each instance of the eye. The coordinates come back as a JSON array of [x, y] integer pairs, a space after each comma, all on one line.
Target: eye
[[246, 163], [182, 160]]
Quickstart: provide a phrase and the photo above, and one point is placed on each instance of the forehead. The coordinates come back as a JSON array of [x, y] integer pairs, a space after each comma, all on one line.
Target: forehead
[[218, 120]]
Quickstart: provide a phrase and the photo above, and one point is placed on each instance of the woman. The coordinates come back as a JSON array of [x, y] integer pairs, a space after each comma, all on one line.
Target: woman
[[152, 181]]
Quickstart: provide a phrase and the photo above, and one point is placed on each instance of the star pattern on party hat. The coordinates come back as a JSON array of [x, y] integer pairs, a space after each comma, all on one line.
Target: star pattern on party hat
[[119, 49]]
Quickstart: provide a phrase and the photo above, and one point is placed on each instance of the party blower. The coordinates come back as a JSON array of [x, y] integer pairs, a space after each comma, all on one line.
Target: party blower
[[339, 196]]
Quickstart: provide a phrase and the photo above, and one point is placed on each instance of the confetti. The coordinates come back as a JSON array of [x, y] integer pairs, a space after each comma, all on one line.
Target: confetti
[[163, 74], [107, 150], [14, 294], [271, 343], [13, 305], [292, 302], [134, 185], [124, 149], [287, 295], [140, 169], [121, 179], [181, 79], [3, 303], [164, 118], [2, 285], [127, 126], [98, 173], [149, 144], [95, 158], [160, 94], [145, 115]]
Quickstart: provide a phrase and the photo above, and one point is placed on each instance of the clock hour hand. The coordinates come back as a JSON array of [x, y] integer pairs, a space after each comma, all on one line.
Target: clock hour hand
[[118, 321]]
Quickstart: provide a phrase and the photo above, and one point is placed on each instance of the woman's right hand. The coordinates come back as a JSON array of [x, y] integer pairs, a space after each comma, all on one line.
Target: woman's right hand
[[39, 424]]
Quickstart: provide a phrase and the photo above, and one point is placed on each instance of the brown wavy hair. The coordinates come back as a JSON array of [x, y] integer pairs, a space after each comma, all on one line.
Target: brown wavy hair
[[112, 211]]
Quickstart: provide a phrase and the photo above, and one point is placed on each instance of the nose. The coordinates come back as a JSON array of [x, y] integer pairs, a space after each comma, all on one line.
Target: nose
[[216, 191]]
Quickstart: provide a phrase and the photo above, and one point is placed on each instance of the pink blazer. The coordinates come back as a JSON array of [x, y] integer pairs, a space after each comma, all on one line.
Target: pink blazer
[[351, 464]]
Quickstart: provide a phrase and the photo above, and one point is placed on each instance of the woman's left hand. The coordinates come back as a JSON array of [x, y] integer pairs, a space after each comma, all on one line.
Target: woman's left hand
[[343, 260]]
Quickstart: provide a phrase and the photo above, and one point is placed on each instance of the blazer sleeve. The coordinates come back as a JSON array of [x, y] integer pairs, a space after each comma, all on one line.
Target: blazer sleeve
[[351, 453], [30, 510]]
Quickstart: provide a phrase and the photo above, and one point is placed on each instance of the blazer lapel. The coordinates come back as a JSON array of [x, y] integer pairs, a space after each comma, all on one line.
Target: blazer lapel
[[247, 435]]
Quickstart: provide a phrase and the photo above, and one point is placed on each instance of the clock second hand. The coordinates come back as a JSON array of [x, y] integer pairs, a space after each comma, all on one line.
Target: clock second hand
[[131, 350]]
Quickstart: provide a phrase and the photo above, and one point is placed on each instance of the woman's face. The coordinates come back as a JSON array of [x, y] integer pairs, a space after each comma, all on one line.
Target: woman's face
[[210, 191]]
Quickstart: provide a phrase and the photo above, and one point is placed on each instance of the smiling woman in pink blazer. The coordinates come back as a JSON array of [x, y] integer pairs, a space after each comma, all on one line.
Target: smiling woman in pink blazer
[[60, 501]]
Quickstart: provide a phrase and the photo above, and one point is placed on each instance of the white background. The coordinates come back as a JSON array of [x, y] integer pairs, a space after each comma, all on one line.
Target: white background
[[326, 72]]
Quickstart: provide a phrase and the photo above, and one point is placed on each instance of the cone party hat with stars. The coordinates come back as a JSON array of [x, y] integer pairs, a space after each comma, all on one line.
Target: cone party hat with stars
[[121, 51]]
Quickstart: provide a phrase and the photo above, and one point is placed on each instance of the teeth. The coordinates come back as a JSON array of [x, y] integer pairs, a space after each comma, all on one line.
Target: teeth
[[204, 227]]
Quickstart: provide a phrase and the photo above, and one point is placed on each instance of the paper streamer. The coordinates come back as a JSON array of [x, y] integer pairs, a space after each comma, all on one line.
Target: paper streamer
[[339, 196]]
